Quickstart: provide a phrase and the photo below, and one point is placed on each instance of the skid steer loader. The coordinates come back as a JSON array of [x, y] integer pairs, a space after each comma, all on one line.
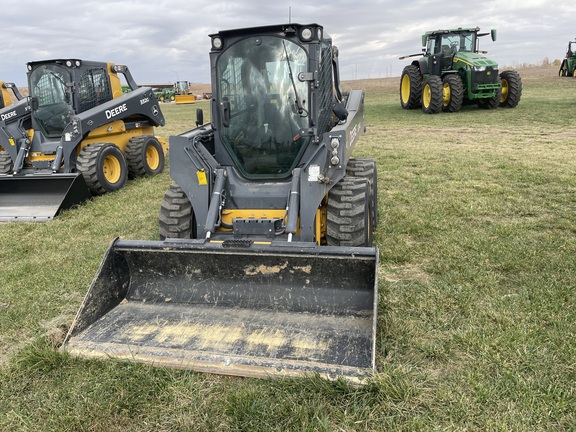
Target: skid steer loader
[[78, 134], [266, 267]]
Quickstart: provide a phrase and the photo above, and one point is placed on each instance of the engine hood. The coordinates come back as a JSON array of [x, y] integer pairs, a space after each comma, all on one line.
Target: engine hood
[[474, 59]]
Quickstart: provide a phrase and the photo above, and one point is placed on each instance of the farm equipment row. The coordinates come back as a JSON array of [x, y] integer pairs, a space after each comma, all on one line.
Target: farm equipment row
[[265, 264]]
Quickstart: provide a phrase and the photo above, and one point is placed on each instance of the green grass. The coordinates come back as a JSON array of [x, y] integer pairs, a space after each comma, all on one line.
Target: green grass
[[477, 241]]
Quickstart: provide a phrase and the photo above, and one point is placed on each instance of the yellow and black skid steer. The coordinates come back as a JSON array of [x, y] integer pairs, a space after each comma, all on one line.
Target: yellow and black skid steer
[[76, 135], [265, 265]]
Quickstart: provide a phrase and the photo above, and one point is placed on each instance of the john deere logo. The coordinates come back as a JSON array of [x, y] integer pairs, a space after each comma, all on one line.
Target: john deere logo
[[488, 73]]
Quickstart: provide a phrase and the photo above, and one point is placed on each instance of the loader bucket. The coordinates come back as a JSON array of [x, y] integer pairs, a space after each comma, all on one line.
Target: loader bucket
[[39, 197], [268, 310], [185, 99]]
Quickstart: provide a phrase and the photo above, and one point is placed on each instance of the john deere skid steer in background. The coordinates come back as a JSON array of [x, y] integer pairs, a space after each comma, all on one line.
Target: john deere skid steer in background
[[568, 66], [266, 267], [452, 71], [78, 134]]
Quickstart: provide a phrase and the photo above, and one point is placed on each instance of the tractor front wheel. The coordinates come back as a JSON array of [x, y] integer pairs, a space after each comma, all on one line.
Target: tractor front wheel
[[176, 219], [410, 87], [103, 167], [452, 93], [432, 95], [144, 156], [511, 89]]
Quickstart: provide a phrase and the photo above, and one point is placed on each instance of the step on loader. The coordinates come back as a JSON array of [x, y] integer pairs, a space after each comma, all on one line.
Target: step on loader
[[78, 134], [265, 265]]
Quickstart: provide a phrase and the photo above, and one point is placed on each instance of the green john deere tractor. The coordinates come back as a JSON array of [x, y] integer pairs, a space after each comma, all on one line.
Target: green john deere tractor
[[568, 66], [452, 71]]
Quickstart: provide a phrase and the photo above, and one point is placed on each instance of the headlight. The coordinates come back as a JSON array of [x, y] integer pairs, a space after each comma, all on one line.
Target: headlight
[[480, 69], [217, 43], [306, 34]]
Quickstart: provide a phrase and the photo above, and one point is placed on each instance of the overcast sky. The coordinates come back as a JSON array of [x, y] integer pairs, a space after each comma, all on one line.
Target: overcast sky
[[165, 41]]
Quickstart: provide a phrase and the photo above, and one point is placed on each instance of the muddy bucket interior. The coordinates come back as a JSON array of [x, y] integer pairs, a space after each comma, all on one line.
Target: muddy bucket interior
[[273, 311], [39, 198]]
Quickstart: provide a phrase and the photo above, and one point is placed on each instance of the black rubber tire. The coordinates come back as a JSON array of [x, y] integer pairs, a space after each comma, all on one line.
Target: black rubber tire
[[366, 168], [348, 213], [176, 218], [452, 93], [103, 167], [6, 164], [493, 102], [432, 95], [410, 87], [511, 89], [144, 156]]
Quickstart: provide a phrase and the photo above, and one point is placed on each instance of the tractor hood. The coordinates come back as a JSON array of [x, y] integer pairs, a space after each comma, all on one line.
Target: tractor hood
[[474, 59]]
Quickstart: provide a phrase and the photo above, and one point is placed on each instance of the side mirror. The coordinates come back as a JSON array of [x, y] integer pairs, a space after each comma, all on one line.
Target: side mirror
[[493, 34], [34, 103], [199, 117]]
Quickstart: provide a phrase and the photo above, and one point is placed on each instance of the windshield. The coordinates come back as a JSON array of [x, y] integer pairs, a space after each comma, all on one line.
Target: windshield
[[265, 105], [452, 43], [48, 86]]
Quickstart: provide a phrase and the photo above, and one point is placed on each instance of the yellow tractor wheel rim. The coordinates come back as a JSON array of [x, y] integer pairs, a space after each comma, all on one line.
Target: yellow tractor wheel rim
[[152, 157], [446, 94], [426, 96], [504, 90], [405, 88], [112, 169]]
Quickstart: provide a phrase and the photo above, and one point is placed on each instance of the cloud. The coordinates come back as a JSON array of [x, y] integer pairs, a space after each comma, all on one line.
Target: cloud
[[164, 41]]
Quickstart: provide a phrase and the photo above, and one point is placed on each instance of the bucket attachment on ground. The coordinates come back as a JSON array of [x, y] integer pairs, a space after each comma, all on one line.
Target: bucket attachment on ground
[[185, 99], [268, 310], [39, 197]]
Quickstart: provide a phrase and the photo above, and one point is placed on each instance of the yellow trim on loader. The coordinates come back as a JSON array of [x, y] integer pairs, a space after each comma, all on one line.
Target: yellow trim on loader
[[185, 99]]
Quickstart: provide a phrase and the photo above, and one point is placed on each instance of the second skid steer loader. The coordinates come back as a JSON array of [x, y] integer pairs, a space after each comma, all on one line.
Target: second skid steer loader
[[76, 135], [266, 267]]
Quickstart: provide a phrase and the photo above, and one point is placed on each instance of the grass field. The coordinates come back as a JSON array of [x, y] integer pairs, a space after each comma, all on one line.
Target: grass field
[[477, 316]]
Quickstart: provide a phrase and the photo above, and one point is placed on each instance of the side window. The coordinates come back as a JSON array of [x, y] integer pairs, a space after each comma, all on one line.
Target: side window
[[432, 46], [94, 89]]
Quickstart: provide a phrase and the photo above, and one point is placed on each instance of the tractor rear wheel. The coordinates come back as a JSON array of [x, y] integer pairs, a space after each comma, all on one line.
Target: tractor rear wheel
[[176, 219], [144, 156], [348, 213], [366, 168], [103, 167], [452, 94], [511, 89], [6, 165], [432, 95], [410, 87]]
